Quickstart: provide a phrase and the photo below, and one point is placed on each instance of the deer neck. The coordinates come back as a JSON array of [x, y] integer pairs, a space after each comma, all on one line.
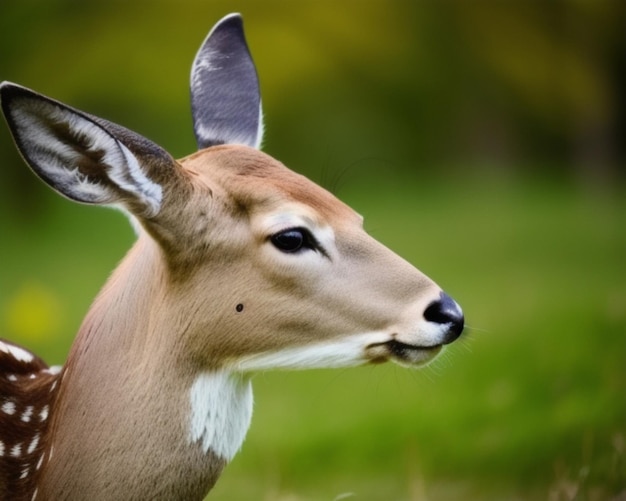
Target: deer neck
[[134, 418]]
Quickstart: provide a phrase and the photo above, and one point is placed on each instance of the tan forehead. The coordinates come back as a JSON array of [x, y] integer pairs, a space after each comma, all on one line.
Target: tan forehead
[[256, 180]]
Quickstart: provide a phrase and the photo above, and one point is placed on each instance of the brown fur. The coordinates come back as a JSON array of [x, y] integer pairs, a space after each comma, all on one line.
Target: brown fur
[[29, 391]]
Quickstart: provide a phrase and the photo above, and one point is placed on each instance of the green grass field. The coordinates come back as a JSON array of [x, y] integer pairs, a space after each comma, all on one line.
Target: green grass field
[[529, 405]]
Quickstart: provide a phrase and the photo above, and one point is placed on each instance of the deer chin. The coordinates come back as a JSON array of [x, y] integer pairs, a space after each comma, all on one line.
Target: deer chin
[[407, 355], [366, 348]]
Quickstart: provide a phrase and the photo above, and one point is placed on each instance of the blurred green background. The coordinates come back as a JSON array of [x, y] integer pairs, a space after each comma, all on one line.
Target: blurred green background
[[483, 141]]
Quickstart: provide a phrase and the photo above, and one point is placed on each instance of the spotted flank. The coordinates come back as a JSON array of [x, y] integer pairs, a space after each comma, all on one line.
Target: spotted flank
[[28, 389]]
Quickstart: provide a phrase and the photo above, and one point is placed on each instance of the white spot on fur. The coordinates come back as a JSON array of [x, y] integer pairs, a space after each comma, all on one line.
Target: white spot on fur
[[40, 462], [24, 473], [2, 448], [43, 415], [16, 451], [12, 377], [33, 444], [16, 352], [27, 414], [34, 495], [8, 408], [221, 410], [54, 370]]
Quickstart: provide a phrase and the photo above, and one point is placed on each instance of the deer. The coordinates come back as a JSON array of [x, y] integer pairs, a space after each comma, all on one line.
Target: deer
[[240, 265]]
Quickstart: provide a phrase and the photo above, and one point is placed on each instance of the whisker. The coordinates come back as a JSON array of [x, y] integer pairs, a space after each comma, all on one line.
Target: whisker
[[471, 328]]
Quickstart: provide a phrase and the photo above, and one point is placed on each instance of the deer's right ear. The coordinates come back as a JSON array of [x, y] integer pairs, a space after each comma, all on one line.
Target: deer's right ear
[[86, 158]]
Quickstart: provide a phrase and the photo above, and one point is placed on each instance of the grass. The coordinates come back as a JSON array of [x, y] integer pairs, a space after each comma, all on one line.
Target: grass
[[529, 404]]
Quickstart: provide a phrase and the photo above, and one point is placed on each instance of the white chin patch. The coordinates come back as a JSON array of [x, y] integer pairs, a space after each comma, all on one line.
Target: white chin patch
[[344, 352]]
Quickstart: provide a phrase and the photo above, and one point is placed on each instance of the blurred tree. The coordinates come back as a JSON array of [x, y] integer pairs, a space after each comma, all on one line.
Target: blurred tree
[[561, 62], [520, 86]]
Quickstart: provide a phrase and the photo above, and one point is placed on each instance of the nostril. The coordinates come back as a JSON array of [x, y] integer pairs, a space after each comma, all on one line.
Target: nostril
[[445, 310]]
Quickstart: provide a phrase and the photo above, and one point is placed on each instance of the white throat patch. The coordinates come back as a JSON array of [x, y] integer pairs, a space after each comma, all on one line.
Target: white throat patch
[[221, 410]]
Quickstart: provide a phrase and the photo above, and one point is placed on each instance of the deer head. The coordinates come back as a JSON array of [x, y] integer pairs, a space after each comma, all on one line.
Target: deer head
[[240, 265]]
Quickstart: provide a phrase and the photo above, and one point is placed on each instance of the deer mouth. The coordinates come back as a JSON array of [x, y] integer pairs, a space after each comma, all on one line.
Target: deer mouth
[[402, 353]]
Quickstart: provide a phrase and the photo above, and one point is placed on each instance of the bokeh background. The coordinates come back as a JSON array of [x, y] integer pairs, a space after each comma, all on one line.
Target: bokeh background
[[483, 141]]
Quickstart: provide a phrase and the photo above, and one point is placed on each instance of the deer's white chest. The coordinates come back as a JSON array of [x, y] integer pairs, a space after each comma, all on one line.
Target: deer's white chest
[[221, 410]]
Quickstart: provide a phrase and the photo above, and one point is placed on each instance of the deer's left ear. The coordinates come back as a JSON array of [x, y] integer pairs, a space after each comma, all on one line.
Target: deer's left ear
[[86, 158], [225, 97]]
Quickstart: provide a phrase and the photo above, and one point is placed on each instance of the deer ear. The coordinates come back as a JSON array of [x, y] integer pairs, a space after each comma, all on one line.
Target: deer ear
[[83, 157], [225, 97]]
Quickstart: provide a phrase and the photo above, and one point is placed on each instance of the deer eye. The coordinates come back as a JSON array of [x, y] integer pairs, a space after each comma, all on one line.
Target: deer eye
[[293, 240]]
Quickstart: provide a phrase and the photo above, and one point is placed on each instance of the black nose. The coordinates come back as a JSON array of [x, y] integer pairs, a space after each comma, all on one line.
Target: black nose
[[445, 311]]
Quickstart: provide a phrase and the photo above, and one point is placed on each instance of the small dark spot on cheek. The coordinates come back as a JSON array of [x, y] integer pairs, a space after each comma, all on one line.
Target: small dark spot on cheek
[[239, 308]]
